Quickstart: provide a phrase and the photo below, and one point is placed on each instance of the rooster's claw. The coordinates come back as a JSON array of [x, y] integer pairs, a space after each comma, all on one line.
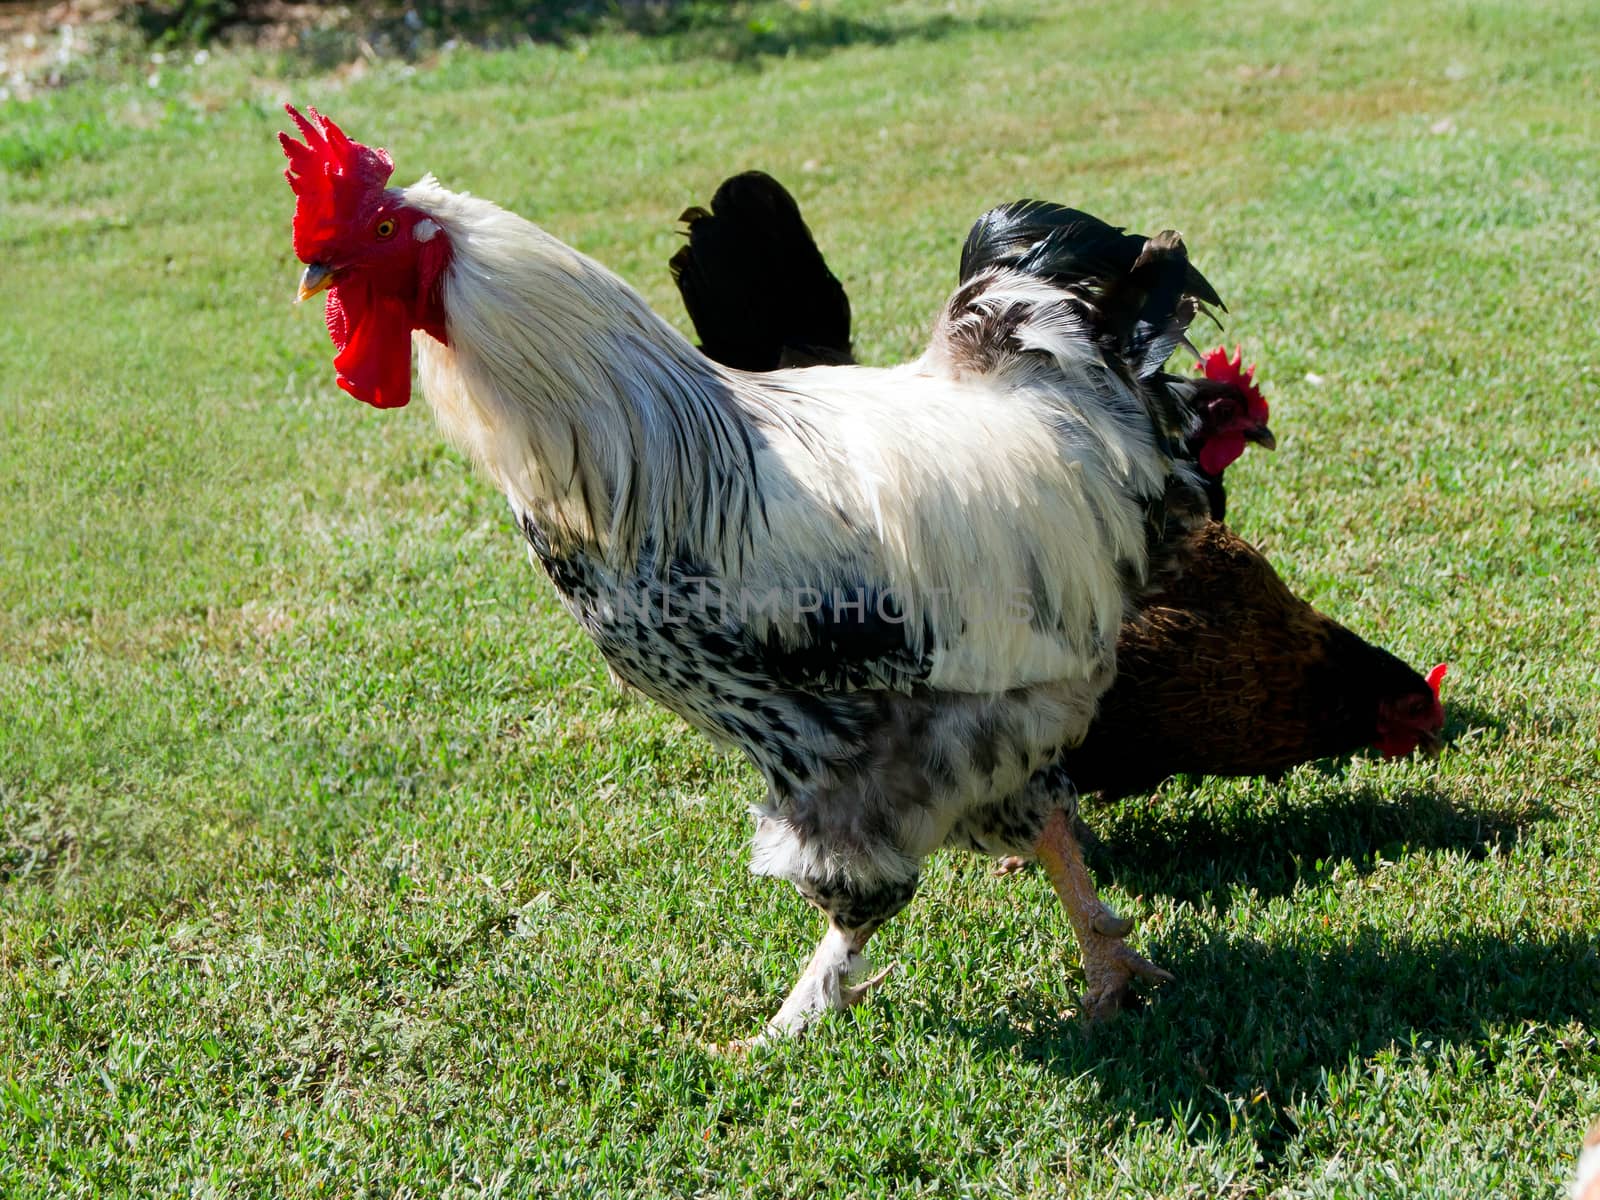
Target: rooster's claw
[[1108, 972], [853, 994]]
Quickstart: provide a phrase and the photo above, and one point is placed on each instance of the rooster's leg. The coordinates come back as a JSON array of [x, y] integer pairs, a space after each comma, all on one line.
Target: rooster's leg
[[1109, 966], [822, 985]]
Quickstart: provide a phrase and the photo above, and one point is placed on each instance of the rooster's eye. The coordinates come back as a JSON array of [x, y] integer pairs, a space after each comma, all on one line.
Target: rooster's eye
[[385, 228]]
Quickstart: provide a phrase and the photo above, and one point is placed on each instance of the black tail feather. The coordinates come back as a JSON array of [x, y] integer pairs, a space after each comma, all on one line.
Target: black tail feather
[[761, 295], [754, 283], [1148, 289], [1144, 293], [1062, 244], [1148, 307]]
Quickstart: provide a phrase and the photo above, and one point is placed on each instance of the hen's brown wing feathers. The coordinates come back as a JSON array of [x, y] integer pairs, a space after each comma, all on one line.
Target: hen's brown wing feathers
[[1224, 671]]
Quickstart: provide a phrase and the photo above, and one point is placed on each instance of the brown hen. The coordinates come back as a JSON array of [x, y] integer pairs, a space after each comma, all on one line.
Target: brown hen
[[1225, 671]]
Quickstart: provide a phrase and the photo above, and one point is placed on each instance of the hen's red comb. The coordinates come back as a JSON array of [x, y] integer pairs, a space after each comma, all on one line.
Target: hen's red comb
[[334, 179], [1436, 677], [1219, 368]]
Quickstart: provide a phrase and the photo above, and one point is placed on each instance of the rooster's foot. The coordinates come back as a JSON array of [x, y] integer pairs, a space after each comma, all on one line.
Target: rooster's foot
[[822, 986], [1110, 966], [1011, 864]]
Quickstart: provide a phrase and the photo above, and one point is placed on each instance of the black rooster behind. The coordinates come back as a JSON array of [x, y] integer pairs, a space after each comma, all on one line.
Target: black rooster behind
[[752, 236], [1149, 291]]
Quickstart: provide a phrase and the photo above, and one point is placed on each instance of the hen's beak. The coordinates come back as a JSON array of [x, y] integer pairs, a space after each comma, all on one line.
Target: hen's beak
[[317, 278], [1261, 435]]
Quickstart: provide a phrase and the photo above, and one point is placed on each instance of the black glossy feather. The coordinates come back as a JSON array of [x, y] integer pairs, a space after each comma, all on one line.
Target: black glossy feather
[[1050, 240], [761, 296], [754, 283], [1064, 245], [1142, 293]]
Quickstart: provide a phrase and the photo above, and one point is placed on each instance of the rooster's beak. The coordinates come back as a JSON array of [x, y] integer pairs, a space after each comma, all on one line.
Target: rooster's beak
[[317, 278], [1261, 435]]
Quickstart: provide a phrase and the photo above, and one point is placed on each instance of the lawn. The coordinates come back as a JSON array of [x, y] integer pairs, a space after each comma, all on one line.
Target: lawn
[[332, 863]]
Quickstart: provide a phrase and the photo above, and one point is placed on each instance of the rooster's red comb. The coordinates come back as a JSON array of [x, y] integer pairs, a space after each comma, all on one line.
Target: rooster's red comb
[[1219, 368], [334, 179], [1436, 677]]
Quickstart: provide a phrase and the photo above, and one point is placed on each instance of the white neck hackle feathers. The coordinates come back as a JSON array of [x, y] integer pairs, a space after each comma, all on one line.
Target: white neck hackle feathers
[[564, 386], [957, 487]]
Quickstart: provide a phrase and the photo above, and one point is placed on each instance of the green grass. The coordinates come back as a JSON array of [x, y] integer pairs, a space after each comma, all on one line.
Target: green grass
[[331, 864]]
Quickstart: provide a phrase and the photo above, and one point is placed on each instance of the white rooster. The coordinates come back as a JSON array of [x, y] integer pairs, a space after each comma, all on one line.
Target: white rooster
[[897, 591]]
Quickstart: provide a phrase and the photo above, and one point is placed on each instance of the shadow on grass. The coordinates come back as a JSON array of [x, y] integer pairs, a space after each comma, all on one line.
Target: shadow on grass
[[1247, 1021], [1200, 855], [1199, 849], [323, 36], [1461, 717], [1248, 1028]]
